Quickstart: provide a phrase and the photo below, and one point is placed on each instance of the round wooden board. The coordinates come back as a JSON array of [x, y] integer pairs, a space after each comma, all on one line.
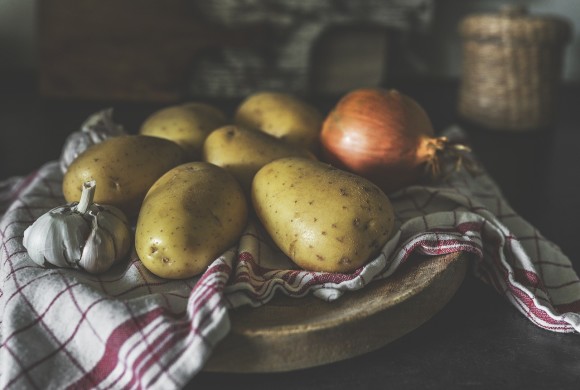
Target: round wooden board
[[289, 333]]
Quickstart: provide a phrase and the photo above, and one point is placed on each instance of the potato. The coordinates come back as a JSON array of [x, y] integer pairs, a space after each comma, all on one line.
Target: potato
[[243, 151], [322, 218], [124, 169], [283, 116], [186, 124], [190, 216]]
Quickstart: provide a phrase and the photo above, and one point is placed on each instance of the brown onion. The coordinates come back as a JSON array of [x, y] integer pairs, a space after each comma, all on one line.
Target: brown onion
[[382, 135]]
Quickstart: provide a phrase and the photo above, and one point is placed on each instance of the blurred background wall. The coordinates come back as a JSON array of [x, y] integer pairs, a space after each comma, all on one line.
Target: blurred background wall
[[436, 54], [17, 34]]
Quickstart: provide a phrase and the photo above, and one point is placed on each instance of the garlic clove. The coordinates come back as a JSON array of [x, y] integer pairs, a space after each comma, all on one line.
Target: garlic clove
[[56, 237], [34, 242], [69, 236], [99, 252], [117, 213], [117, 226]]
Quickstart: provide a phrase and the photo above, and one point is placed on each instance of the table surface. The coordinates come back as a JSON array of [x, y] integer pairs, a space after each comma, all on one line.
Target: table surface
[[478, 340]]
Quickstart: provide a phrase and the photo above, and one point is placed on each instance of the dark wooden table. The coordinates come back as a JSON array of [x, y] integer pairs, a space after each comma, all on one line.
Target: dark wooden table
[[478, 340]]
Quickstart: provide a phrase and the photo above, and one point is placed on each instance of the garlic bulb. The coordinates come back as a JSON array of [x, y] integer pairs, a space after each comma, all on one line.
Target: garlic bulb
[[97, 128], [83, 235]]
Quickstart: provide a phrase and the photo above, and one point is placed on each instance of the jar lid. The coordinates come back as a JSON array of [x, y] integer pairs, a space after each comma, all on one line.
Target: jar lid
[[513, 24]]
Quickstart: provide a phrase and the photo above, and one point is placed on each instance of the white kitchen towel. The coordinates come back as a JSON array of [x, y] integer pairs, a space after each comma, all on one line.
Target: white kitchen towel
[[127, 328]]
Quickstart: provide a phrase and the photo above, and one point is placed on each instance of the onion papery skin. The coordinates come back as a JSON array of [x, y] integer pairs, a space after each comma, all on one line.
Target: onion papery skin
[[382, 135]]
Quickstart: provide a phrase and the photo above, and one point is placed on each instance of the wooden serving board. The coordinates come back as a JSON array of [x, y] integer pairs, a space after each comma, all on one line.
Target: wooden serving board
[[289, 333]]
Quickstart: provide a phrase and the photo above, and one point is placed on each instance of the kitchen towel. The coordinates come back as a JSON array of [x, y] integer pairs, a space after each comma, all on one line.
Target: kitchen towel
[[127, 328]]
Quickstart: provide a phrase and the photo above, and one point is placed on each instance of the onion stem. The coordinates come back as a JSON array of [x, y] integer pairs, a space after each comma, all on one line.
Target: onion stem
[[444, 149]]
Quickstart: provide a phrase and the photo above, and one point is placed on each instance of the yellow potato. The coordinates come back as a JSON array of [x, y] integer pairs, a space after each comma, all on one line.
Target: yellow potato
[[190, 216], [186, 124], [284, 116], [322, 218], [243, 151], [124, 169]]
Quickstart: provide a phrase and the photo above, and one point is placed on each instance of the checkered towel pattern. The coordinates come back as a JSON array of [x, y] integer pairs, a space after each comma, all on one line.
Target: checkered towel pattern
[[127, 328]]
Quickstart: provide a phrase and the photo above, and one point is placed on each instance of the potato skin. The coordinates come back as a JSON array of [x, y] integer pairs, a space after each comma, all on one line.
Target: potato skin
[[243, 151], [284, 116], [186, 124], [124, 168], [322, 218], [190, 216]]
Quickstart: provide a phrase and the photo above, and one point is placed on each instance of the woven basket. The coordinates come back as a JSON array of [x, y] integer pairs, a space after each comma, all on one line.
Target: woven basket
[[511, 68]]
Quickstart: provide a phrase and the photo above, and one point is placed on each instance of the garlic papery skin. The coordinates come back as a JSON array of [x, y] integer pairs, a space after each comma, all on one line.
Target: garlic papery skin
[[97, 128], [82, 235]]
